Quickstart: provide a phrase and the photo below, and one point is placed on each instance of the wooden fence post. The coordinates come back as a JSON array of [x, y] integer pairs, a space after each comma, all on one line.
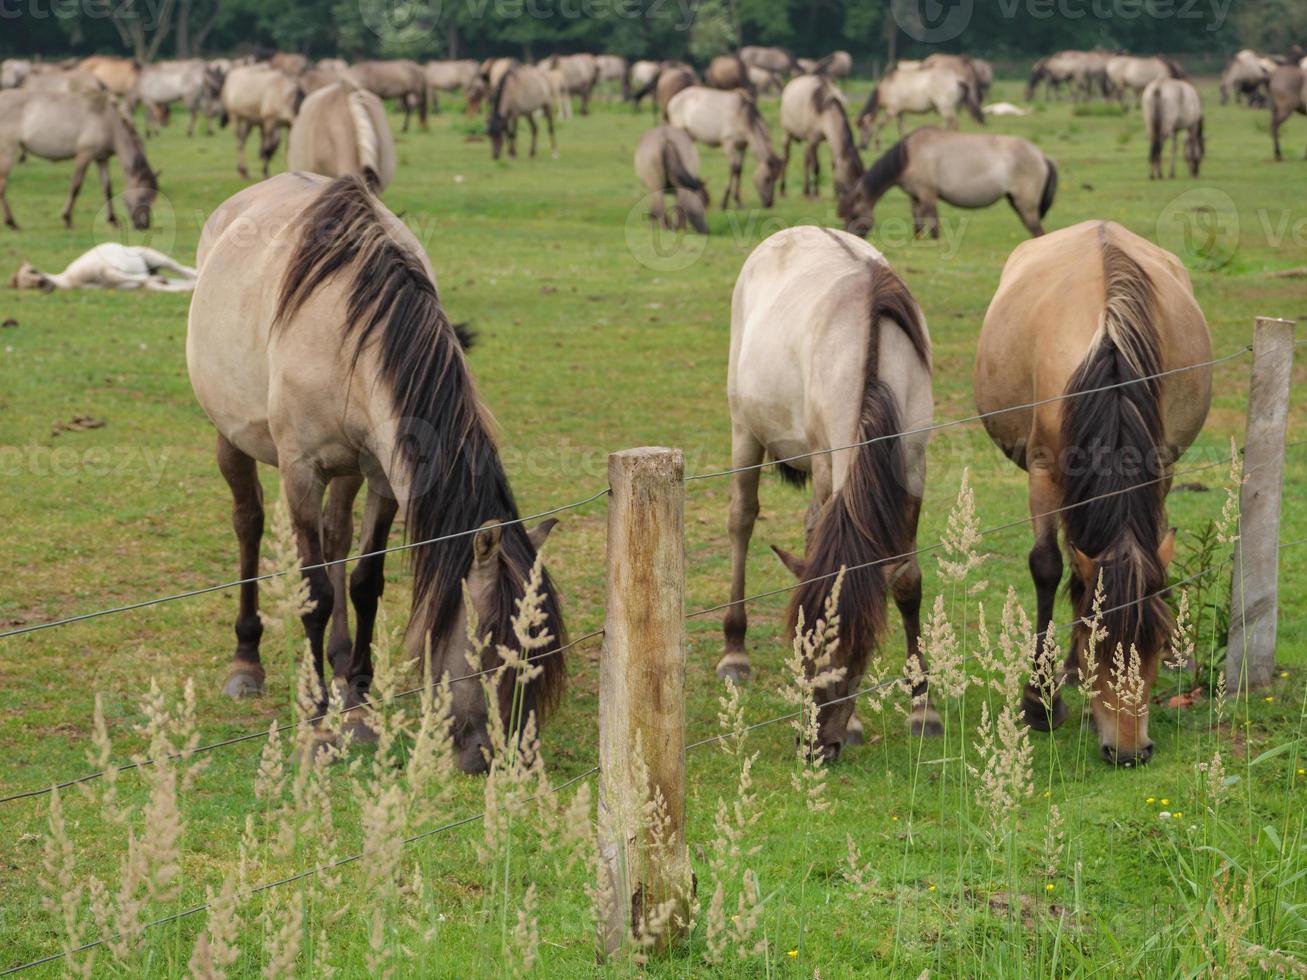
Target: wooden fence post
[[1250, 660], [644, 870]]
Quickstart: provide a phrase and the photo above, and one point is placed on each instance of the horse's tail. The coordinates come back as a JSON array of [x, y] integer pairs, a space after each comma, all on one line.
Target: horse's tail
[[1156, 128], [971, 99], [865, 526], [1174, 67], [1050, 188], [647, 88], [366, 141], [1112, 423], [1036, 76], [677, 173], [497, 96]]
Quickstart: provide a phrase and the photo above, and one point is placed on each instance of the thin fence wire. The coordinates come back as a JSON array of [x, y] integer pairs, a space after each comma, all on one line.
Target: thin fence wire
[[290, 879], [236, 583], [286, 727], [980, 417]]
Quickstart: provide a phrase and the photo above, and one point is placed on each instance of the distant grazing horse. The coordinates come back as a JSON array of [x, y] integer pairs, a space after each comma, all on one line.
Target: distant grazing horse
[[292, 63], [521, 93], [118, 75], [449, 76], [192, 83], [776, 60], [612, 68], [830, 350], [581, 72], [489, 72], [728, 72], [729, 120], [1245, 78], [403, 80], [642, 73], [263, 98], [1127, 73], [1083, 321], [667, 162], [764, 82], [837, 64], [1288, 90], [320, 347], [812, 110], [111, 266], [13, 71], [917, 90], [1081, 71], [65, 82], [671, 78], [1170, 106], [342, 129], [85, 129], [965, 68], [967, 170]]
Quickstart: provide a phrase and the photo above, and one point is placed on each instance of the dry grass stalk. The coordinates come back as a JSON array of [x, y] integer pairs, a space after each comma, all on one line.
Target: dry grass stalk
[[962, 536], [216, 949], [942, 650], [62, 892]]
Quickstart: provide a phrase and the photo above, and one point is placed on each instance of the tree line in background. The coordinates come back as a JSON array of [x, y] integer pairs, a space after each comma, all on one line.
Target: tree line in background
[[871, 30]]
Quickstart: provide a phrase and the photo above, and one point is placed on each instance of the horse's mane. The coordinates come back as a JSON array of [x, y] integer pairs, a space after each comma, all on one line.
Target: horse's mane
[[825, 96], [393, 310], [1114, 507], [496, 116], [1174, 67], [133, 162], [865, 524], [885, 172]]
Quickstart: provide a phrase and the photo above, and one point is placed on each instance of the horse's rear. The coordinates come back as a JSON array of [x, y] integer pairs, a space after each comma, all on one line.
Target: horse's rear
[[829, 350], [1082, 320], [342, 129]]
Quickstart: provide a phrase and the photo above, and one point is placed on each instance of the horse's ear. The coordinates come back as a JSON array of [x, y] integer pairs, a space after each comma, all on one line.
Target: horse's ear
[[485, 544], [794, 563], [1166, 550], [540, 533], [1083, 565]]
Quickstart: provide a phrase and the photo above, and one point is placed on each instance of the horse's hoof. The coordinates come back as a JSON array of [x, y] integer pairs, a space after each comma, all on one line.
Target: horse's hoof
[[359, 730], [735, 666], [925, 722], [244, 682], [1040, 718]]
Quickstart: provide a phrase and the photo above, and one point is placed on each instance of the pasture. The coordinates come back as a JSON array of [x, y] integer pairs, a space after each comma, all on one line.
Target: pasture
[[588, 345]]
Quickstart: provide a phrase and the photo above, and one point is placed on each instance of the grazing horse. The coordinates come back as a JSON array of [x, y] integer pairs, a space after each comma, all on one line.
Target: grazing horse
[[118, 75], [292, 63], [776, 60], [402, 80], [449, 76], [342, 129], [521, 93], [262, 98], [962, 66], [1288, 90], [670, 81], [667, 162], [829, 350], [192, 83], [729, 120], [612, 68], [640, 78], [1246, 77], [1083, 322], [489, 72], [967, 170], [812, 110], [1127, 73], [917, 90], [320, 347], [85, 129], [581, 72], [728, 72], [110, 266], [1171, 105], [837, 64]]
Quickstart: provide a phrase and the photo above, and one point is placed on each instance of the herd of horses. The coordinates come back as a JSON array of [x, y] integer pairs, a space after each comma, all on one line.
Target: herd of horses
[[321, 348]]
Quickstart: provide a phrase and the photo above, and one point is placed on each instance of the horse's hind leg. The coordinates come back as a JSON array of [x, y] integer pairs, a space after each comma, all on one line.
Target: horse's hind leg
[[905, 584], [106, 185], [246, 675], [242, 135], [785, 162], [337, 535], [1044, 710], [79, 174], [535, 131], [4, 198], [553, 140], [1175, 149], [305, 488], [745, 451]]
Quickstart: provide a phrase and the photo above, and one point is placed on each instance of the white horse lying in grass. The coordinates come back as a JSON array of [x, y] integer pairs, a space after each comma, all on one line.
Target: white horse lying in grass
[[111, 266]]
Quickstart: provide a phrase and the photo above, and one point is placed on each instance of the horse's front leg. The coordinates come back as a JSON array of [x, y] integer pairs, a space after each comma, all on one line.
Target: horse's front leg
[[268, 146], [736, 160], [553, 140], [106, 185], [4, 198], [1044, 710], [242, 135], [337, 535], [813, 163], [246, 674], [535, 131], [79, 174], [366, 584], [905, 584], [1175, 149], [785, 164], [745, 451]]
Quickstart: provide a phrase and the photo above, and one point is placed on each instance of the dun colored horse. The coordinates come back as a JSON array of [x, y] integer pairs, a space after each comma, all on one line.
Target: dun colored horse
[[812, 110], [1084, 321], [580, 71], [262, 98], [402, 80], [1170, 106], [1127, 73], [917, 90], [192, 83], [830, 350], [110, 265], [342, 129], [1245, 78], [85, 129], [667, 162], [320, 346], [1288, 95], [967, 170], [729, 120], [521, 93], [729, 72]]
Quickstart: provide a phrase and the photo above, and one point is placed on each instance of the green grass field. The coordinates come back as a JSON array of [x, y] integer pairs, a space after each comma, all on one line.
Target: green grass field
[[589, 346]]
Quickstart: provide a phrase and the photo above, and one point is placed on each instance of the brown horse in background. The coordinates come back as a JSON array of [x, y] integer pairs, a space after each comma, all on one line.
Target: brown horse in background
[[319, 346], [1083, 322]]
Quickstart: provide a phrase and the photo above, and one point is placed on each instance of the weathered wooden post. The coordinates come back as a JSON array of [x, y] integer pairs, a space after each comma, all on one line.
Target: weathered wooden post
[[644, 863], [1250, 660]]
